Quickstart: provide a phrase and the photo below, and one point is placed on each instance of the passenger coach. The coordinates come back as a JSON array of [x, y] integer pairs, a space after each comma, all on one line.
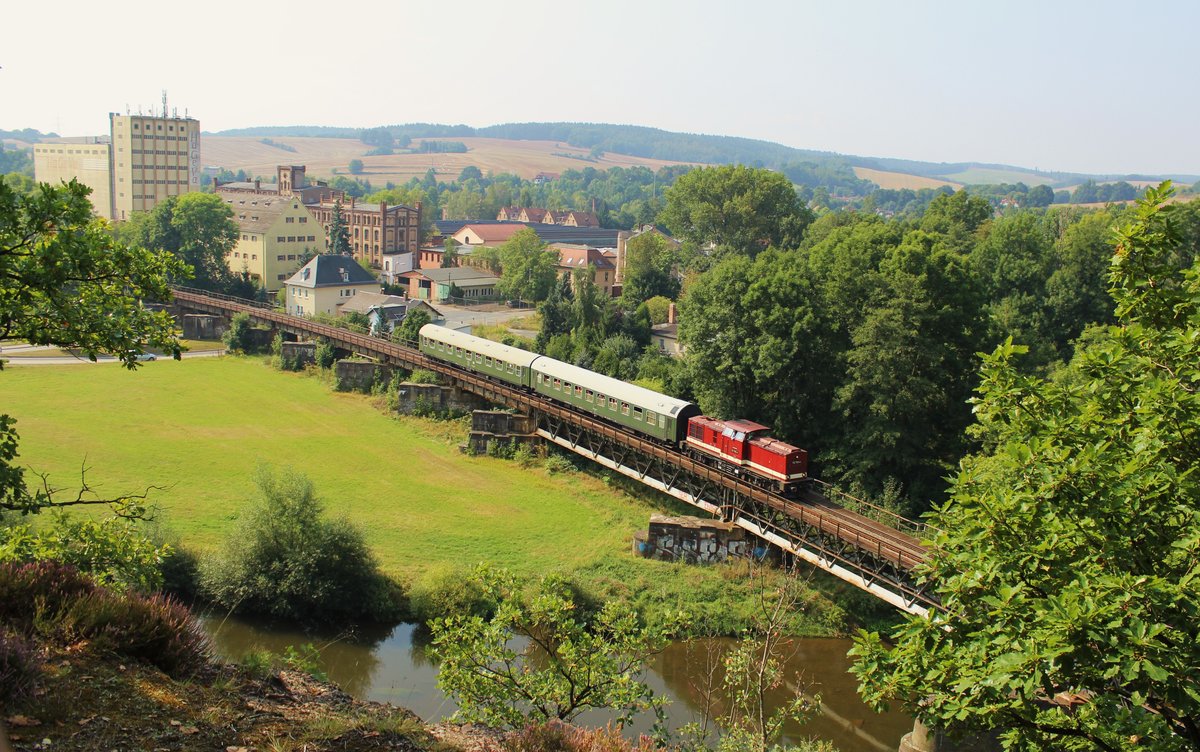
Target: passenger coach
[[634, 407], [478, 355]]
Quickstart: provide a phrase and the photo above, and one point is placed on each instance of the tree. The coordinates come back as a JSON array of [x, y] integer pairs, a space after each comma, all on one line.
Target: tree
[[1067, 561], [66, 281], [198, 228], [450, 256], [573, 658], [356, 166], [649, 268], [735, 208], [409, 331], [286, 561], [528, 267], [470, 172], [337, 241], [380, 138]]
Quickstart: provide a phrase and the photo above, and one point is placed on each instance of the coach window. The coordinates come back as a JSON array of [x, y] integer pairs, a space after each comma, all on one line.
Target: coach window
[[612, 404], [590, 396], [578, 391], [662, 421], [637, 413], [508, 367], [557, 384], [624, 408], [650, 417], [488, 361]]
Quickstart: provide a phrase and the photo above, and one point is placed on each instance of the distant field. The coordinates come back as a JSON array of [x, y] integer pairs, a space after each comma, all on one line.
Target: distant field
[[325, 155], [201, 427], [899, 180], [980, 175]]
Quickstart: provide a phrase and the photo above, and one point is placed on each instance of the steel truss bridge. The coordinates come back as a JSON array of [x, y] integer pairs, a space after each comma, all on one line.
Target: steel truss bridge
[[866, 546]]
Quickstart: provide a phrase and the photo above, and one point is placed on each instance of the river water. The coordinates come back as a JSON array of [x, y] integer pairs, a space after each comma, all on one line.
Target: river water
[[389, 665]]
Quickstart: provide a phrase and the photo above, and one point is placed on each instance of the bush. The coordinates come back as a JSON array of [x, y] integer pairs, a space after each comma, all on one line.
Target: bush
[[57, 601], [18, 666], [181, 573], [448, 591], [155, 629], [42, 590], [238, 337], [114, 550], [325, 355], [286, 561]]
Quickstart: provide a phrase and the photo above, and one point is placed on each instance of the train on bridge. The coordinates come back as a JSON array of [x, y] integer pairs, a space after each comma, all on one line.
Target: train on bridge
[[739, 447]]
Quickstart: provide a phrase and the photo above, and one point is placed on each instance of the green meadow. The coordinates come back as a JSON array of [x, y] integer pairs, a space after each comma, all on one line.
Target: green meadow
[[199, 429]]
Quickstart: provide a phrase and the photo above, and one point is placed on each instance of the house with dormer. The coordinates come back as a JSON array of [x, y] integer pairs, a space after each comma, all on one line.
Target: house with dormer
[[325, 283]]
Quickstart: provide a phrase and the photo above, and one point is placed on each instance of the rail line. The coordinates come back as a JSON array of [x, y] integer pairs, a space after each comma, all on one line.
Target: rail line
[[876, 557]]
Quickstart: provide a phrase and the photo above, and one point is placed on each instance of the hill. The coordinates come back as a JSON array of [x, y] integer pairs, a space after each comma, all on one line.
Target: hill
[[326, 156], [634, 144]]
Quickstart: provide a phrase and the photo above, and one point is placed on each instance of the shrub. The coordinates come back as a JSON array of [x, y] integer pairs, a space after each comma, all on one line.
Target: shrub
[[286, 561], [447, 591], [18, 666], [325, 355], [181, 573], [238, 337], [258, 663], [57, 601], [41, 590], [559, 463], [155, 629], [422, 376], [114, 550]]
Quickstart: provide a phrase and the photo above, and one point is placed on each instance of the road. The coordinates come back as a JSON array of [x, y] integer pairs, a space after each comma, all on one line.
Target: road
[[60, 360], [458, 317]]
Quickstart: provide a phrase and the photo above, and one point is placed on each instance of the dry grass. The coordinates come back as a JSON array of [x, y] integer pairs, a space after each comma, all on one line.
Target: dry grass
[[898, 180], [325, 155]]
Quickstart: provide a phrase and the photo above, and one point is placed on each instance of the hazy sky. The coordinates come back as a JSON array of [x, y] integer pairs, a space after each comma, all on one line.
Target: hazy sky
[[1103, 87]]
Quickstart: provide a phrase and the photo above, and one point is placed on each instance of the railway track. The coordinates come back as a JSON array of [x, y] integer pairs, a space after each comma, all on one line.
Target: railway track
[[858, 534]]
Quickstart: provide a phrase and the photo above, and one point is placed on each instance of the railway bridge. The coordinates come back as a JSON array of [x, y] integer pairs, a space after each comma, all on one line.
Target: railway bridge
[[868, 547]]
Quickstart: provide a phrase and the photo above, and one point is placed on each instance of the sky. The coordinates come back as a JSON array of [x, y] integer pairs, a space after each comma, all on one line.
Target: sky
[[1097, 86]]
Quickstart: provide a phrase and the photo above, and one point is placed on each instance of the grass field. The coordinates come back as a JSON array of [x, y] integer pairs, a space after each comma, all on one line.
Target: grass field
[[898, 180], [984, 176], [325, 155], [202, 427]]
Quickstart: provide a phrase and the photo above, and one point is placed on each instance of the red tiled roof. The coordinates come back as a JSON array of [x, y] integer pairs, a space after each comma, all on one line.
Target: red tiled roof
[[493, 233]]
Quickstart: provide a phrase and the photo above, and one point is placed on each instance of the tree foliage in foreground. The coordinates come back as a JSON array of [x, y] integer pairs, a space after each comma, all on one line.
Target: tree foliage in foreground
[[1069, 565], [65, 281], [569, 661]]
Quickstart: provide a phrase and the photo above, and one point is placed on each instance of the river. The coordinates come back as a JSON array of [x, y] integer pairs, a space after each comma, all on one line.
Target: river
[[388, 665]]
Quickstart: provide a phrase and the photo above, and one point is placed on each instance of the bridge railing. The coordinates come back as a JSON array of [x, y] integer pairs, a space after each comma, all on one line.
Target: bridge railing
[[916, 528], [230, 298]]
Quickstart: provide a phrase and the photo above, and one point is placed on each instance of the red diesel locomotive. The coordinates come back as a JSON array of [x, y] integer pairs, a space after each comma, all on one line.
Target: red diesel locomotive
[[743, 447]]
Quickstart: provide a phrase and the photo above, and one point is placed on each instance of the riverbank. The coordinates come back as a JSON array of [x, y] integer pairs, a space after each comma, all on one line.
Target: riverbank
[[88, 699]]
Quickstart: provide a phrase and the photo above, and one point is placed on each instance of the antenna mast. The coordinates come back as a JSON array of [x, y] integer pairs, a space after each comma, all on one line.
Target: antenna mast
[[164, 112]]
